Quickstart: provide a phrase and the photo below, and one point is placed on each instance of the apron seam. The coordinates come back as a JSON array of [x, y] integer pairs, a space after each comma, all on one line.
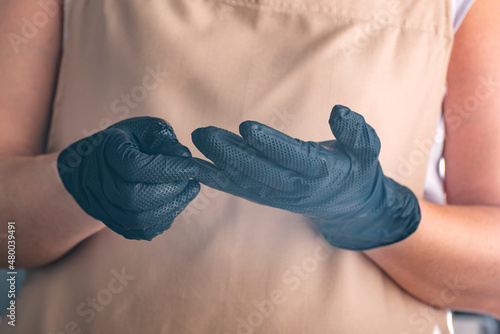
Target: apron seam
[[328, 12]]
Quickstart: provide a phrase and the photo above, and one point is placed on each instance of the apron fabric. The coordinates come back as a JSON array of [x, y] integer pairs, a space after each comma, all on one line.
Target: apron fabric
[[227, 265]]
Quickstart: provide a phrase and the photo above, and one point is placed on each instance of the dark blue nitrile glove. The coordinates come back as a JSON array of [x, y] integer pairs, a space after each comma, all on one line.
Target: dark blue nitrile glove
[[337, 184], [134, 176]]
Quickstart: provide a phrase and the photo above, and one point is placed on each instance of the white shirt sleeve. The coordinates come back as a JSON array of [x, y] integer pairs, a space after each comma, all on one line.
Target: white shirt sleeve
[[460, 9]]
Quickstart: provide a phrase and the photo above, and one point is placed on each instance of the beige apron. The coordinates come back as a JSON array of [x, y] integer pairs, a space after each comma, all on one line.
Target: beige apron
[[227, 265]]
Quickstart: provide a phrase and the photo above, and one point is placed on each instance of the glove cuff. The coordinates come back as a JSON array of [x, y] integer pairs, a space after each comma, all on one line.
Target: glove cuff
[[393, 217]]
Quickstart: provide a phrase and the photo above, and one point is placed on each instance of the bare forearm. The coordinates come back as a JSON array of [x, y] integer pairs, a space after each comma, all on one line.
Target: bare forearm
[[452, 260], [28, 72], [48, 221]]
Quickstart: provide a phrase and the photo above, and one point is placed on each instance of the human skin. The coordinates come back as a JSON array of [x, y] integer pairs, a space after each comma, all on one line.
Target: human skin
[[458, 240]]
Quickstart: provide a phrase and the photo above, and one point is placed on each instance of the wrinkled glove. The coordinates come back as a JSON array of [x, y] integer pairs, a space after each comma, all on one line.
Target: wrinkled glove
[[337, 184], [133, 176]]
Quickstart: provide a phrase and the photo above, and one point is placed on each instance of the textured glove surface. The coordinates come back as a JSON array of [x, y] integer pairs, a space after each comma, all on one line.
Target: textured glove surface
[[133, 176], [338, 184]]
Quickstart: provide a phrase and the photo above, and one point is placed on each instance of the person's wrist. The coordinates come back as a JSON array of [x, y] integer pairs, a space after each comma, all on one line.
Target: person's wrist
[[68, 209]]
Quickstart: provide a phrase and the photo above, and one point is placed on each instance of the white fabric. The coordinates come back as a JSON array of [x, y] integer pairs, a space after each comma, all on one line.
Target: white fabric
[[434, 181], [460, 9]]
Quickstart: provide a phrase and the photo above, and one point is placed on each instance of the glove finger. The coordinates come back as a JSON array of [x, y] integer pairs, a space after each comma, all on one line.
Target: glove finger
[[153, 136], [146, 225], [125, 158], [230, 152], [211, 176], [159, 219], [246, 188], [140, 196], [294, 154], [357, 137]]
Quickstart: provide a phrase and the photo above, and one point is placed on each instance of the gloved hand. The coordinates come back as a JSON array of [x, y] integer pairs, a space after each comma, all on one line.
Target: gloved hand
[[133, 176], [338, 184]]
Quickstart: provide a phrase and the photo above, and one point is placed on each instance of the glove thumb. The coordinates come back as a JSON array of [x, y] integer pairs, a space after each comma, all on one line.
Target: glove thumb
[[356, 137], [154, 136]]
